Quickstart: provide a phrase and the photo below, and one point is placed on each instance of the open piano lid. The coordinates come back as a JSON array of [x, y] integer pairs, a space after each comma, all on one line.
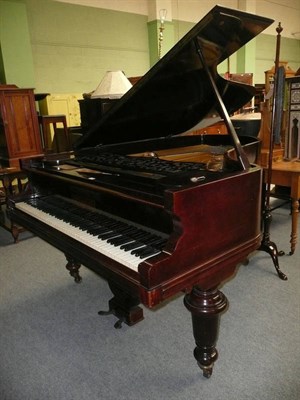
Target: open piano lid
[[176, 93]]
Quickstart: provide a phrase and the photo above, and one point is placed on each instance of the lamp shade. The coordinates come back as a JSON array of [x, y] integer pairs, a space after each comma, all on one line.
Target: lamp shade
[[113, 85]]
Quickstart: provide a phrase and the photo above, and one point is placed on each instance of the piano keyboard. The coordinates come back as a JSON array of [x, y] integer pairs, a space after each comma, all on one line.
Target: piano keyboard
[[121, 241]]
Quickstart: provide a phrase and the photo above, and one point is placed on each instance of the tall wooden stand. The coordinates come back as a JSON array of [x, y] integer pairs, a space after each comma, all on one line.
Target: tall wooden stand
[[274, 131]]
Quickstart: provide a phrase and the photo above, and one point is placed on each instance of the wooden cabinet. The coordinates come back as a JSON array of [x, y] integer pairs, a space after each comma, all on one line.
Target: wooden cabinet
[[92, 110], [65, 104], [19, 130]]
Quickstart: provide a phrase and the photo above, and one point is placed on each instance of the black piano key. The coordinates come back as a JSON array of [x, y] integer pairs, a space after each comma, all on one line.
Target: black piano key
[[97, 230], [140, 235], [143, 250], [138, 252], [131, 246], [151, 238], [118, 233], [134, 250], [158, 243], [84, 225], [127, 230], [109, 235], [104, 232], [148, 251], [111, 227], [120, 240]]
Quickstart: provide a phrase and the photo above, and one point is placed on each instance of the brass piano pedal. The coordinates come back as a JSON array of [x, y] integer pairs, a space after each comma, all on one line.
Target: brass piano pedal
[[126, 311], [118, 324]]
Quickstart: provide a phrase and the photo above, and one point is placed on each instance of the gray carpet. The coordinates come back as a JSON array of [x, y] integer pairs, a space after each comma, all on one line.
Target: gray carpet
[[54, 346]]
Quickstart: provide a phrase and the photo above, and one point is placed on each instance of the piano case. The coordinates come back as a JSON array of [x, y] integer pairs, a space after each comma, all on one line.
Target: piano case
[[147, 207]]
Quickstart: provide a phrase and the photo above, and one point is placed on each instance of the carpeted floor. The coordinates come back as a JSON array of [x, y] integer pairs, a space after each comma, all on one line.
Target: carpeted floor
[[54, 346]]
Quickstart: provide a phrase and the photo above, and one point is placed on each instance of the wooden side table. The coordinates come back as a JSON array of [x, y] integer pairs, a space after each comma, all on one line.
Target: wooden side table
[[8, 188], [287, 173]]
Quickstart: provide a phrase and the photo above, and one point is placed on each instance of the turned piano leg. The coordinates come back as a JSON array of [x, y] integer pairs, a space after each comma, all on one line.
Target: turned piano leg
[[206, 307], [73, 268]]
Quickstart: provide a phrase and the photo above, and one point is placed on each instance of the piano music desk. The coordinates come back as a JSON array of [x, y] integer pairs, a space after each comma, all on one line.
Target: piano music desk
[[287, 173]]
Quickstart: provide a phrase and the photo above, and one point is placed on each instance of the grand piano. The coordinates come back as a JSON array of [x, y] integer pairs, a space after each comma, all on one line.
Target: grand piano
[[153, 211]]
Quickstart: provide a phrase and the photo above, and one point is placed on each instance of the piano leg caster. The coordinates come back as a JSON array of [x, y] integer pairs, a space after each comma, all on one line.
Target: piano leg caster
[[124, 307], [207, 370], [73, 268], [206, 307]]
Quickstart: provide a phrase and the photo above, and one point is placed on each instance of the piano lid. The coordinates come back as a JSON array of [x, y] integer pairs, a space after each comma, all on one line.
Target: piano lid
[[176, 93]]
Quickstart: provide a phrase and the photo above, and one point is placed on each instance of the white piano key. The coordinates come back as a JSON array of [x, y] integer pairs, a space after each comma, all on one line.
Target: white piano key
[[111, 251]]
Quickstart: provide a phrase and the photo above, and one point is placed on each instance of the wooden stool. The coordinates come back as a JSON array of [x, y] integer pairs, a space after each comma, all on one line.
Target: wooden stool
[[45, 122], [13, 182]]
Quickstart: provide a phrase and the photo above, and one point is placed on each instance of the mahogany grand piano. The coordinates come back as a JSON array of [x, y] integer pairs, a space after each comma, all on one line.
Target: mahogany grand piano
[[153, 211]]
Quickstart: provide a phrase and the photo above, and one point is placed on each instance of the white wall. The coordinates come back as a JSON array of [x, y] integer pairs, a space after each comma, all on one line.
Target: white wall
[[132, 6], [285, 11]]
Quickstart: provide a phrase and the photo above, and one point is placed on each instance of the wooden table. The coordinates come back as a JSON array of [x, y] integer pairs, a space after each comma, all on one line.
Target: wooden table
[[12, 180], [287, 173]]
